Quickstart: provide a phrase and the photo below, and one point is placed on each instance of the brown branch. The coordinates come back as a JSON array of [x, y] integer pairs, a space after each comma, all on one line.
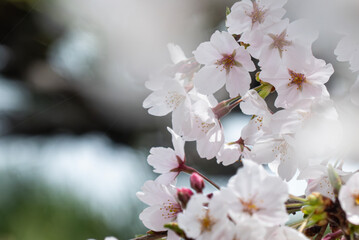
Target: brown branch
[[152, 236]]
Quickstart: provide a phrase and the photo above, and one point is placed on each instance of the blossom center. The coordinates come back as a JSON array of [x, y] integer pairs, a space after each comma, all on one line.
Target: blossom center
[[174, 99], [204, 127], [297, 79], [170, 209], [228, 61], [258, 14], [206, 222], [279, 42], [356, 199], [249, 207]]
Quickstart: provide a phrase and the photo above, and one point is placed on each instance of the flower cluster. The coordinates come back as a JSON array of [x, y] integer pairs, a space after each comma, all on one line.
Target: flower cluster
[[293, 140]]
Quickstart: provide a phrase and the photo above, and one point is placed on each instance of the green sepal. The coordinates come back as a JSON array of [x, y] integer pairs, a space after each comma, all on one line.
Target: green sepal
[[174, 227], [334, 179], [228, 11]]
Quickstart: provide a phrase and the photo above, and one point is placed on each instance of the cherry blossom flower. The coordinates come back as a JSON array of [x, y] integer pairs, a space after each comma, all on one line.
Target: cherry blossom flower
[[299, 79], [252, 193], [318, 180], [200, 222], [163, 206], [167, 99], [251, 18], [205, 128], [226, 62], [283, 42], [167, 161], [349, 199], [232, 152]]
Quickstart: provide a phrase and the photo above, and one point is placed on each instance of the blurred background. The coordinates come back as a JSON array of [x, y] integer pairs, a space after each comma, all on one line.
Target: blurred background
[[74, 136]]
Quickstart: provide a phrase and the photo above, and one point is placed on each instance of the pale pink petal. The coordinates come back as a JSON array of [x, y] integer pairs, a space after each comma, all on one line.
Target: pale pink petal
[[176, 53], [154, 193], [209, 146], [344, 49], [156, 105], [243, 57], [302, 30], [238, 21], [273, 3], [154, 218], [162, 159], [322, 75], [172, 235], [253, 104], [167, 178], [209, 79], [238, 82], [178, 143], [224, 42], [228, 154], [207, 54]]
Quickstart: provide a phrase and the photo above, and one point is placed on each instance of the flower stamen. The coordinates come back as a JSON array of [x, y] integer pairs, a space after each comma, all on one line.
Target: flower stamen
[[297, 79], [228, 61], [280, 42], [258, 14]]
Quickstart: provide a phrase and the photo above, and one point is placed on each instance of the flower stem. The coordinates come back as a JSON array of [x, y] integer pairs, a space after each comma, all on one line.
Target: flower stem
[[305, 222], [303, 200], [294, 205], [191, 170], [152, 236]]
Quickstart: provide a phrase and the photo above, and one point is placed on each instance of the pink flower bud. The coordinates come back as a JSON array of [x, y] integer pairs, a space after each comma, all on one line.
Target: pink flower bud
[[184, 195], [197, 182]]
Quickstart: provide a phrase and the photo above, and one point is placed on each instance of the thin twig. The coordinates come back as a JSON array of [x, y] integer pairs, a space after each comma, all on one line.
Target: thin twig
[[153, 236]]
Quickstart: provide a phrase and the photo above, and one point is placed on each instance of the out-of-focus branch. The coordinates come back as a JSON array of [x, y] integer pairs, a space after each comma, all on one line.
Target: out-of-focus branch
[[152, 236]]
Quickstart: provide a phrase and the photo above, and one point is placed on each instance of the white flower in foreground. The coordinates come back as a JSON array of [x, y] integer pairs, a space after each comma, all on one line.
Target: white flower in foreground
[[347, 50], [248, 229], [200, 222], [349, 199], [252, 193], [166, 160], [299, 79], [285, 233], [226, 62], [163, 206]]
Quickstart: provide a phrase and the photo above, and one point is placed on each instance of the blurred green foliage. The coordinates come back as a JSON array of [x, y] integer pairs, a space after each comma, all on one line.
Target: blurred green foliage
[[30, 210]]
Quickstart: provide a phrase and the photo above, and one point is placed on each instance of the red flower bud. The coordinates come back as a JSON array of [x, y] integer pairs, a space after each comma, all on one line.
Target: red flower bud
[[184, 195], [197, 182]]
